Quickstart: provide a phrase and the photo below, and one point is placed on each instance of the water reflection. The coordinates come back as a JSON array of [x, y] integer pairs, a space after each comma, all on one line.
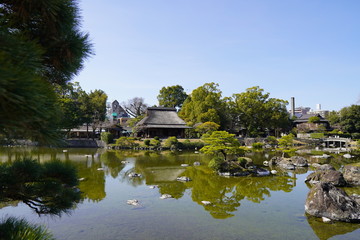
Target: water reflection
[[162, 168], [325, 231]]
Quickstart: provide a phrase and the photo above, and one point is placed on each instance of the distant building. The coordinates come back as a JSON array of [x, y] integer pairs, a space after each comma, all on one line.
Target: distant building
[[318, 110], [162, 122], [303, 124]]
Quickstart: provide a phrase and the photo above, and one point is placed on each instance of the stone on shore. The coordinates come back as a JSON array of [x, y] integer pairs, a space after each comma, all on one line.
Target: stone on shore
[[352, 174], [325, 200], [326, 176]]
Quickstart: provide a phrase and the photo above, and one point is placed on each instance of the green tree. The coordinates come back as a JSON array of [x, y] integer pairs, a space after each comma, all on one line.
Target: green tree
[[257, 113], [40, 44], [221, 142], [207, 127], [205, 104], [314, 119], [350, 119], [286, 141], [54, 26], [173, 96]]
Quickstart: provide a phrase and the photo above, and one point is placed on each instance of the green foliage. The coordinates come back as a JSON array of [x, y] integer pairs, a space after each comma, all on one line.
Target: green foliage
[[155, 143], [126, 142], [355, 135], [190, 145], [48, 188], [271, 140], [207, 127], [215, 163], [54, 27], [256, 112], [204, 104], [221, 142], [350, 118], [107, 137], [171, 142], [173, 96], [40, 45], [156, 138], [314, 119], [147, 142], [286, 141], [317, 135], [257, 145], [19, 229]]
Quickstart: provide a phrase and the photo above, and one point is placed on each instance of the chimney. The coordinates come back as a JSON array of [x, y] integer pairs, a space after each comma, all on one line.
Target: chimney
[[292, 106]]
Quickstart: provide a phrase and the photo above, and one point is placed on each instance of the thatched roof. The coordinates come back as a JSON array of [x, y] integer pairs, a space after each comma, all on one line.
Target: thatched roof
[[161, 117]]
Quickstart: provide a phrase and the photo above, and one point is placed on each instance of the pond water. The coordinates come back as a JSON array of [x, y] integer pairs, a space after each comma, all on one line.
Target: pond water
[[269, 207]]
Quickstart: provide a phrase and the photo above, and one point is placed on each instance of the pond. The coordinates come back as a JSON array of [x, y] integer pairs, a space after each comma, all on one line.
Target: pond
[[269, 207]]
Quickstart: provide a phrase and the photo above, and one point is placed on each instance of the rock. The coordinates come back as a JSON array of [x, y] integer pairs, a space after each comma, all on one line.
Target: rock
[[273, 172], [123, 162], [286, 165], [65, 151], [262, 172], [325, 167], [166, 196], [325, 200], [197, 163], [132, 175], [347, 155], [133, 202], [206, 202], [100, 169], [352, 174], [183, 179], [326, 220], [240, 174], [184, 165], [327, 176], [226, 174], [274, 161], [356, 197], [152, 187], [81, 179], [266, 163], [299, 161]]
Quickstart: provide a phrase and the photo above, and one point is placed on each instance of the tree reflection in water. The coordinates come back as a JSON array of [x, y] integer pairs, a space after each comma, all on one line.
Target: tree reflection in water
[[49, 188], [225, 194]]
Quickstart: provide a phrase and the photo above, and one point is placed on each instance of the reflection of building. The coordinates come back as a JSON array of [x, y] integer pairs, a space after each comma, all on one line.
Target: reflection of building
[[161, 122]]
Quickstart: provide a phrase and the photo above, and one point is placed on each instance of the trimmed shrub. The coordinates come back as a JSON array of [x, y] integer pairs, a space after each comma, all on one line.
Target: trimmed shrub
[[317, 135], [147, 142], [171, 142], [257, 145]]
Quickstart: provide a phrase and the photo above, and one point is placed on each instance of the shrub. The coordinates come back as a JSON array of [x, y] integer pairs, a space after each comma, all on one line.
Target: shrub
[[317, 135], [171, 142], [257, 145], [355, 135], [155, 142], [271, 140], [190, 145], [107, 137], [157, 138], [127, 142], [147, 142]]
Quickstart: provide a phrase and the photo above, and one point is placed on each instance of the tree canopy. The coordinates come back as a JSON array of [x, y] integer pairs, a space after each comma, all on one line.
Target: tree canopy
[[173, 96], [221, 142], [40, 45], [204, 104], [255, 112]]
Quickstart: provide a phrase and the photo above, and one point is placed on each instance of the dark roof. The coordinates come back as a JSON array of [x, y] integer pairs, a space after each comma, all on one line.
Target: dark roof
[[161, 117], [301, 118]]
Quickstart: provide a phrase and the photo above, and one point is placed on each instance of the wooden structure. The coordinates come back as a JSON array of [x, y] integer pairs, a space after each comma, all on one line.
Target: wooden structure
[[162, 122], [302, 122]]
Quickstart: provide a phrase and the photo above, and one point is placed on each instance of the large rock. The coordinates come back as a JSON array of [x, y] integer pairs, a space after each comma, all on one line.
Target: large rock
[[325, 200], [299, 161], [352, 174], [327, 176], [325, 167], [289, 163]]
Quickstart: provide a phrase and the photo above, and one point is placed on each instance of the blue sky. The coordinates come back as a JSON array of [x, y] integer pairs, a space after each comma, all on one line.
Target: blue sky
[[308, 49]]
